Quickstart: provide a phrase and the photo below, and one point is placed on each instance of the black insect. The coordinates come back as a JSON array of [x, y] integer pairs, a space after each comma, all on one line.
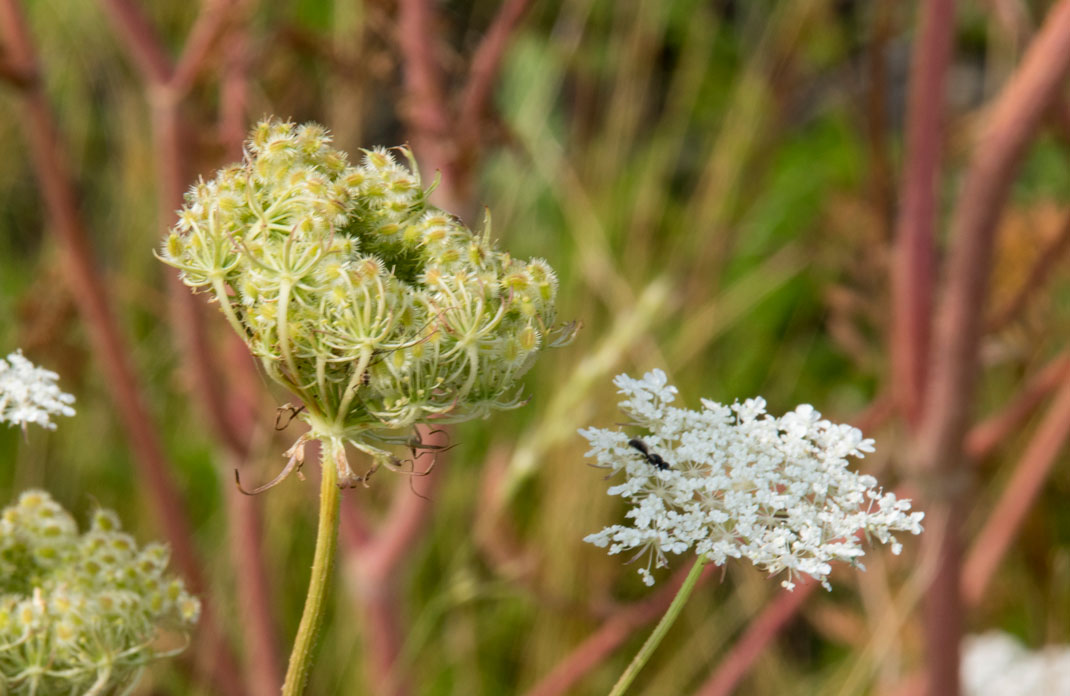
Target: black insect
[[651, 457]]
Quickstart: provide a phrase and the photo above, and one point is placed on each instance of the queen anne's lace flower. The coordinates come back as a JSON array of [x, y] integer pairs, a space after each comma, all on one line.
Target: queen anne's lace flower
[[28, 394], [81, 613], [375, 308], [997, 664], [734, 482]]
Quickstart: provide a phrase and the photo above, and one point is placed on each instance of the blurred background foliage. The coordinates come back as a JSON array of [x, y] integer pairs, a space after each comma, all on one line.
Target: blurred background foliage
[[716, 185]]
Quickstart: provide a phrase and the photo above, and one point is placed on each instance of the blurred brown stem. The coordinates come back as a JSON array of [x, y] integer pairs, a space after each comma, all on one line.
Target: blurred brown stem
[[89, 293], [444, 139], [912, 276], [939, 448], [228, 411], [989, 433], [486, 62], [1005, 520]]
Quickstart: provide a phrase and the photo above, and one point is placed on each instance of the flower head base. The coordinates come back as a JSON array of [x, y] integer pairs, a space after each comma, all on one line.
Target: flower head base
[[28, 394], [734, 482], [377, 309], [80, 613]]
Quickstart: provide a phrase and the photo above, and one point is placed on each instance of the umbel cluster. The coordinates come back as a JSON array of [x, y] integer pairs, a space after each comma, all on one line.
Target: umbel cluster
[[82, 613], [375, 308]]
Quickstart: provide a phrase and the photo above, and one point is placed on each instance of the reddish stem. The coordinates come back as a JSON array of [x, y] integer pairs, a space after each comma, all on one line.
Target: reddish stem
[[110, 349], [137, 36], [939, 447], [210, 26], [486, 62], [1005, 521], [231, 422], [426, 112], [989, 433], [912, 277]]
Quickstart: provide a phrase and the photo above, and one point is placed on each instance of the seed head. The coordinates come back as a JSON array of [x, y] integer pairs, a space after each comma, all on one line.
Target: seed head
[[376, 308]]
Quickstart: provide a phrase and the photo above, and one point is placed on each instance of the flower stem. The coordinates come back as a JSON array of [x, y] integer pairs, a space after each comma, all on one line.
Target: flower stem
[[323, 562], [661, 629]]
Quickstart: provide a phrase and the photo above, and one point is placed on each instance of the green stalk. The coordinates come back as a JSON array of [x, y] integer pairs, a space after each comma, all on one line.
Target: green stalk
[[322, 563], [651, 644]]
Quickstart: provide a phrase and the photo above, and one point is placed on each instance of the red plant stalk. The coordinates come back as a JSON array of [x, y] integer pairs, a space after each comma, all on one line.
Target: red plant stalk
[[939, 448], [374, 556], [1003, 525], [231, 423], [443, 140], [482, 74], [989, 433], [111, 350], [1005, 521], [264, 664], [425, 110], [912, 273]]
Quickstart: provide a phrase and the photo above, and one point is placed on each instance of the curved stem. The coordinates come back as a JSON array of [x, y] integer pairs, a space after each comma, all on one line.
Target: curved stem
[[322, 564], [97, 687], [283, 327], [661, 629], [228, 308]]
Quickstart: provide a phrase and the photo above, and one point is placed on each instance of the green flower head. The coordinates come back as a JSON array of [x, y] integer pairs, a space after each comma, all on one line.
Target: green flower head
[[374, 307], [81, 613]]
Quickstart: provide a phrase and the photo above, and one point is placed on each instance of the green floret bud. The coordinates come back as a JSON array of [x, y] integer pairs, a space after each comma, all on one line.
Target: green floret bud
[[375, 308], [81, 613]]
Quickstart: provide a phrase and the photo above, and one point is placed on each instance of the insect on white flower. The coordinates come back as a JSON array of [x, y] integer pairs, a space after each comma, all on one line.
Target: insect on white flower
[[28, 394], [736, 482]]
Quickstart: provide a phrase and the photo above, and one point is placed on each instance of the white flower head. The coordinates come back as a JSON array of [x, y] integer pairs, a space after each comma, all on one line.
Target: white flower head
[[997, 664], [28, 394], [736, 482]]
